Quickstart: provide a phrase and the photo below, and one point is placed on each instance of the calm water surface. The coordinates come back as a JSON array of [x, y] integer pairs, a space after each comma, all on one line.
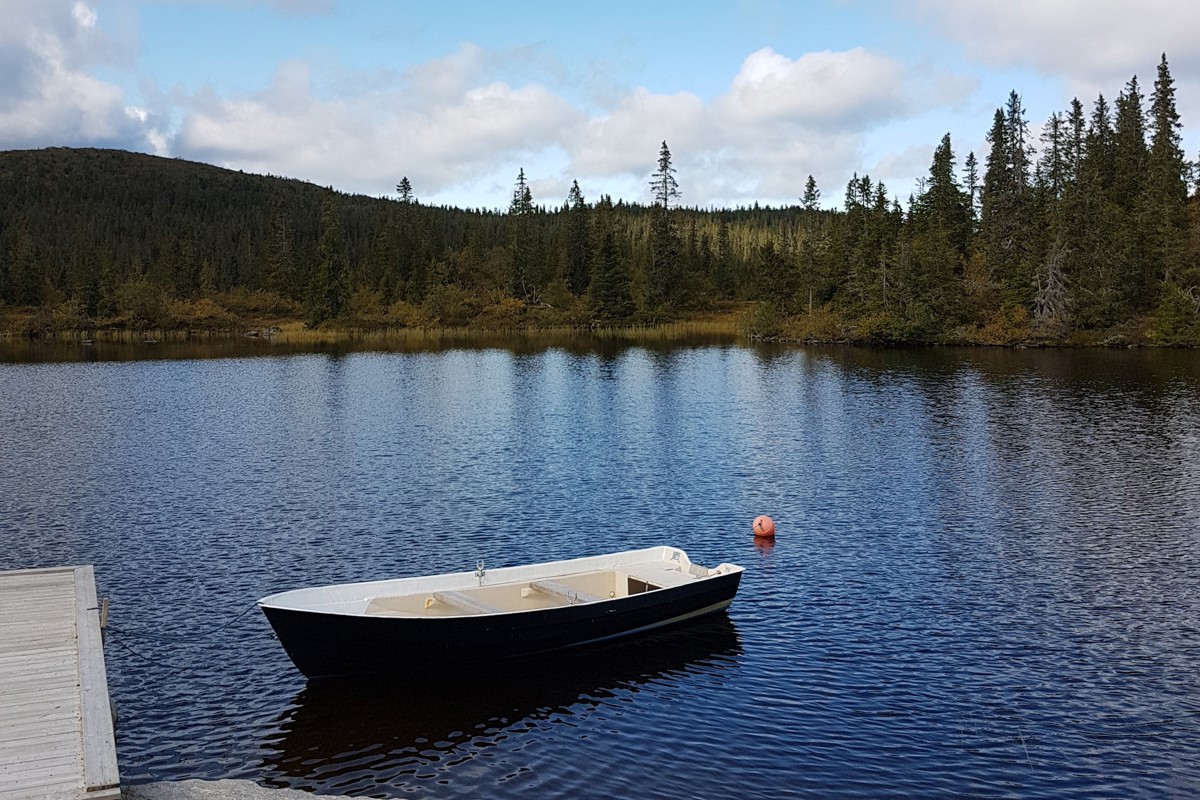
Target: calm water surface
[[985, 582]]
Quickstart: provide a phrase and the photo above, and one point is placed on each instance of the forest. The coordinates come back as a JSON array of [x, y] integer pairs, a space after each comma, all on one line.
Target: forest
[[1083, 234]]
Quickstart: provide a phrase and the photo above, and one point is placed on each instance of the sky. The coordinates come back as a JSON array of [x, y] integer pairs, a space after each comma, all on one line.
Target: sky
[[752, 96]]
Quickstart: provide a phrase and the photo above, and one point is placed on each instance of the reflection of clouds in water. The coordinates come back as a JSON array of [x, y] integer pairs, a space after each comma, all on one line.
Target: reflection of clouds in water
[[377, 735]]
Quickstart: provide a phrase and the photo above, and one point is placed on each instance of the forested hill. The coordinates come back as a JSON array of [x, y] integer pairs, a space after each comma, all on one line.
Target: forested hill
[[102, 238], [1088, 237]]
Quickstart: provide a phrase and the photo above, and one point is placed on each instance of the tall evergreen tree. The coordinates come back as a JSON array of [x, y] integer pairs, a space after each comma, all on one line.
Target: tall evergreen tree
[[811, 200], [1129, 147], [971, 185], [281, 260], [405, 190], [940, 231], [579, 250], [663, 182], [609, 289], [520, 211], [1094, 263], [663, 275], [1053, 167], [329, 293], [724, 277], [1166, 180], [1076, 135], [1005, 220]]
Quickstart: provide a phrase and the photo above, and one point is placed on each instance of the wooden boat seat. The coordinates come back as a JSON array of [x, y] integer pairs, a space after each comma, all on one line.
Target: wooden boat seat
[[465, 602], [568, 593], [656, 574]]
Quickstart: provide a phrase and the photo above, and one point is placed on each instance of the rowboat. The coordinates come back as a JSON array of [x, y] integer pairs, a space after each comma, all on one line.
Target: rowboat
[[457, 620]]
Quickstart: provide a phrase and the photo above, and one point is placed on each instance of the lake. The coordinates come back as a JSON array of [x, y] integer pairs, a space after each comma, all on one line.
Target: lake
[[985, 581]]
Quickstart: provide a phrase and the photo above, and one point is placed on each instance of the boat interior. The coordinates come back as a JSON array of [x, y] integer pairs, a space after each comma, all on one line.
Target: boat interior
[[531, 595]]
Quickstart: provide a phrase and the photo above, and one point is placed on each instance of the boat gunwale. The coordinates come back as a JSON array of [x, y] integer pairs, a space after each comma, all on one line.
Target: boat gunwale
[[665, 555]]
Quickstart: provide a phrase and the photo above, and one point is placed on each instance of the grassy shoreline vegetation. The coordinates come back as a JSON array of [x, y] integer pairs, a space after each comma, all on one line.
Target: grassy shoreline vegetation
[[1085, 234]]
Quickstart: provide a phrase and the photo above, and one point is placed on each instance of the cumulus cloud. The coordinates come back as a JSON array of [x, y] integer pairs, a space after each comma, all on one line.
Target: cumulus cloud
[[780, 120], [824, 90], [462, 122], [431, 124], [48, 92], [1092, 40], [1090, 46]]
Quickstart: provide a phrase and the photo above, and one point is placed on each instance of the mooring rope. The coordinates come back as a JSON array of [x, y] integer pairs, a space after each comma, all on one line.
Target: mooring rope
[[156, 662], [117, 634], [142, 634]]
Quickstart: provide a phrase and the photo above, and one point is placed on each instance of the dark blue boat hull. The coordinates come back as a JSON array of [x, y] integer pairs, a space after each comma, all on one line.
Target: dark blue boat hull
[[323, 645]]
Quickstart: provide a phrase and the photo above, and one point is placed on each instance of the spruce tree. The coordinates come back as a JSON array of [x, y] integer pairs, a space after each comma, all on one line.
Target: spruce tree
[[329, 293], [940, 224], [971, 186], [1129, 147], [811, 200], [281, 261], [579, 251], [1166, 180], [1134, 275], [663, 182], [663, 275], [609, 289], [520, 209], [405, 190]]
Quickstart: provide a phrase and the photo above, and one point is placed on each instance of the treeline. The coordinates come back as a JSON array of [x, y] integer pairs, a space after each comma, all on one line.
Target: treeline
[[1083, 235]]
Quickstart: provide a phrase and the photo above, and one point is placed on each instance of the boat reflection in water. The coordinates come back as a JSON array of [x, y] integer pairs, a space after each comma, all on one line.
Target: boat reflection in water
[[357, 736]]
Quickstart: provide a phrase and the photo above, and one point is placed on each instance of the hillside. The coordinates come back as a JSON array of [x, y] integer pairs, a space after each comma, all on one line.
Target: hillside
[[94, 240]]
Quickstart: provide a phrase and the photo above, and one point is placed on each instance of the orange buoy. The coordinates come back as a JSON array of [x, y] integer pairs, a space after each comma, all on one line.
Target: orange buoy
[[764, 527]]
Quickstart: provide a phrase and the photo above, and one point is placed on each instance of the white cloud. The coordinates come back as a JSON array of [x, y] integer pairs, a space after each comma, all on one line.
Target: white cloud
[[48, 92], [431, 125], [462, 123], [448, 123], [1096, 41], [1088, 46], [84, 15], [818, 90], [781, 120]]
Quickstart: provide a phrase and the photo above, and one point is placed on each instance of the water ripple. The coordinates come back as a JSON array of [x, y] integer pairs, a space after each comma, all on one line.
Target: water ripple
[[985, 584]]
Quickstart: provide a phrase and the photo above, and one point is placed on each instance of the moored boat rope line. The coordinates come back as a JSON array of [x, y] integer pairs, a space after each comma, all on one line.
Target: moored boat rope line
[[184, 638]]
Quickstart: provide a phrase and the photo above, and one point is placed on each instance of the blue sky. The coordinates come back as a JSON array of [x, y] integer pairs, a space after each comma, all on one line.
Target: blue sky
[[751, 96]]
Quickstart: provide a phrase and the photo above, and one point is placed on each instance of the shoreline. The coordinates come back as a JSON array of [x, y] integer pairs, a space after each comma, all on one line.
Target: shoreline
[[224, 789]]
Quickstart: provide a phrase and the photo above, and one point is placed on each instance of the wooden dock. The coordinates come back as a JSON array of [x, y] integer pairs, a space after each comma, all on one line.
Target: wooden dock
[[56, 726]]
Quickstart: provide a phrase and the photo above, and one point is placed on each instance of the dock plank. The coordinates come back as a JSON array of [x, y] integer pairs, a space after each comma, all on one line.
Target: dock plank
[[56, 736]]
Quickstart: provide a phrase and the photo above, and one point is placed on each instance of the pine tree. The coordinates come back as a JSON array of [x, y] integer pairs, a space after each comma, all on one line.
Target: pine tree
[[971, 185], [281, 261], [662, 277], [1093, 221], [1004, 224], [1076, 134], [1129, 147], [940, 232], [1053, 168], [1020, 149], [1134, 276], [609, 289], [405, 190], [1166, 180], [663, 181], [724, 278], [811, 200], [520, 209], [579, 251], [28, 273], [329, 293]]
